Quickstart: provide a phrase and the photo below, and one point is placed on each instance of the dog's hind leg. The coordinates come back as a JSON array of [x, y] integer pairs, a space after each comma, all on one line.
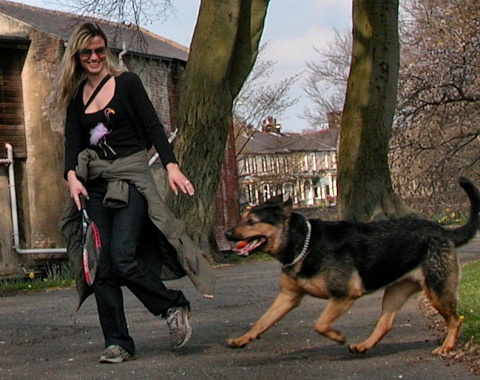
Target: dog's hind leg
[[393, 299], [442, 291], [447, 308], [285, 302], [333, 311]]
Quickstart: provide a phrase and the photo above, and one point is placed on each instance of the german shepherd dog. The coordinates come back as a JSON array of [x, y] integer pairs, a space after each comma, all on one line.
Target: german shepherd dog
[[344, 260]]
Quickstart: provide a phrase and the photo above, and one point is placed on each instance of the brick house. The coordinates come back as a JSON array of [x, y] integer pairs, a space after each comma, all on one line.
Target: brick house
[[32, 42], [302, 165]]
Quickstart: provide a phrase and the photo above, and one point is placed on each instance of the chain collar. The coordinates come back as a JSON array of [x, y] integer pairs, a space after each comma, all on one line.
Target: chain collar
[[302, 254]]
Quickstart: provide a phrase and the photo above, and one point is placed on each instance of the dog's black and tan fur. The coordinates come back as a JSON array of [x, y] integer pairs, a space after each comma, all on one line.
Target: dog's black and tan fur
[[346, 260]]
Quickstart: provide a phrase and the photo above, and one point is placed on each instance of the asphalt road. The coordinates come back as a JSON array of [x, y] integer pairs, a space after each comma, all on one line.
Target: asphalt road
[[41, 337]]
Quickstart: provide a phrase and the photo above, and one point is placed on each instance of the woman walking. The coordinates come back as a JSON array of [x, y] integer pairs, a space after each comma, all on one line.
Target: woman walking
[[110, 125]]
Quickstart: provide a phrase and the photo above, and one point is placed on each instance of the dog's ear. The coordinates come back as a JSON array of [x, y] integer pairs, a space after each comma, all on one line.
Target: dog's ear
[[277, 199], [281, 198], [288, 202], [287, 207]]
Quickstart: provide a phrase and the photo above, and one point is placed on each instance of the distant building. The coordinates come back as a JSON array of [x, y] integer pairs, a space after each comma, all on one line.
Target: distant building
[[302, 165]]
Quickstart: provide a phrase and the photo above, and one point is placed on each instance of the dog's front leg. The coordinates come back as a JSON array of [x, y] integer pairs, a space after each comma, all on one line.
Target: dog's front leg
[[285, 302], [333, 311]]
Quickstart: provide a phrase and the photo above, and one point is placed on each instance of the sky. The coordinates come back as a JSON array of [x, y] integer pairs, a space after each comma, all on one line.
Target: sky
[[293, 28]]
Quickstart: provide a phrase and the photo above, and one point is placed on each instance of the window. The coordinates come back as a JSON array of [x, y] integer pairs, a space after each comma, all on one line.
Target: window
[[246, 166], [285, 165], [250, 194], [305, 163], [275, 164], [287, 189], [265, 192], [313, 162], [12, 123], [264, 164], [308, 193]]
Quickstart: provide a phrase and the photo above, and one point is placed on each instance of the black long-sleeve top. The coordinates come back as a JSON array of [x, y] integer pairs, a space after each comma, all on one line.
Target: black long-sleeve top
[[136, 124]]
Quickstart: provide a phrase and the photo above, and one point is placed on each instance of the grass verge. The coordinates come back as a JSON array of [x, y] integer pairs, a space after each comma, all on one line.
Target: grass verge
[[469, 305], [55, 276], [468, 346]]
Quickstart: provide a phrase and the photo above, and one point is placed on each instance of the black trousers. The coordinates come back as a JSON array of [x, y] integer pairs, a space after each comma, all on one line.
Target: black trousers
[[120, 231]]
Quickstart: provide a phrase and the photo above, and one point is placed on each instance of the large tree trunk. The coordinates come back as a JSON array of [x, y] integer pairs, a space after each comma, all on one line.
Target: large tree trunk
[[223, 51], [365, 189]]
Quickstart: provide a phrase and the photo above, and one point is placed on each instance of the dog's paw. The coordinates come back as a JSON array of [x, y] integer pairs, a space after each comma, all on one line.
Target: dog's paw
[[357, 349], [332, 334], [442, 350], [236, 343]]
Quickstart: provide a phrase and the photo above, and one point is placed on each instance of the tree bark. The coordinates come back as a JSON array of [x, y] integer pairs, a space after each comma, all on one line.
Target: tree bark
[[223, 50], [365, 189]]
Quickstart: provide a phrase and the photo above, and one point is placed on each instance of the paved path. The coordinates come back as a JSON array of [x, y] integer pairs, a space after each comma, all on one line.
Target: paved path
[[41, 337]]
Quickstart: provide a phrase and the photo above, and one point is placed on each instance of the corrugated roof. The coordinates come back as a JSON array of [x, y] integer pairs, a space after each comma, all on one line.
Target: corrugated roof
[[273, 143], [61, 25]]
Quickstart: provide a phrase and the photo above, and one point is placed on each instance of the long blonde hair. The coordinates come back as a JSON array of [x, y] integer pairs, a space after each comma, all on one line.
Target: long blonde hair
[[71, 72]]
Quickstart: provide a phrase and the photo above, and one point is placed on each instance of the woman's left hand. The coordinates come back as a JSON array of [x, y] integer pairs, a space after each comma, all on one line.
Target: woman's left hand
[[178, 181]]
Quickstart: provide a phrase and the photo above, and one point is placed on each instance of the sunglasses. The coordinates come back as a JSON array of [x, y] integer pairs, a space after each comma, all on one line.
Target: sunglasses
[[88, 52]]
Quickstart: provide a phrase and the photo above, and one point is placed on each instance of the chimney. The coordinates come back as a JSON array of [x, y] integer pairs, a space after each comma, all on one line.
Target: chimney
[[270, 125]]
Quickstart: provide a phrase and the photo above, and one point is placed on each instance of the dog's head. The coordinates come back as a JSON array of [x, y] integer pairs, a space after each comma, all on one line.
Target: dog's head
[[262, 227]]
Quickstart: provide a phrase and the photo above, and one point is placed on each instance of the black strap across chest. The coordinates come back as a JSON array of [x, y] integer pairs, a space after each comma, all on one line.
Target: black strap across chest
[[95, 92]]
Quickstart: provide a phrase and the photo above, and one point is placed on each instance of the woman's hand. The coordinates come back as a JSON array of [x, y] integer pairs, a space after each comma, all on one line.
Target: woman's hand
[[75, 187], [177, 180]]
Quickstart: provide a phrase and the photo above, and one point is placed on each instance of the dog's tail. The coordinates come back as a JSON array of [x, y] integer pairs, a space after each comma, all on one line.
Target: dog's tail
[[464, 234]]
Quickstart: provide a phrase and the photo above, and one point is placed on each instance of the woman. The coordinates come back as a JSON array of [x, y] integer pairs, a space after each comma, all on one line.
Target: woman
[[110, 125]]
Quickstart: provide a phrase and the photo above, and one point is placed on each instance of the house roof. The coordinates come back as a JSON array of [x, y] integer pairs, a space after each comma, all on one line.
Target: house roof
[[274, 143], [61, 24]]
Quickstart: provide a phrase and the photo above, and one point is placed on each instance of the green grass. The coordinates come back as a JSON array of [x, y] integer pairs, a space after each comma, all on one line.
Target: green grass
[[469, 305], [55, 276]]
